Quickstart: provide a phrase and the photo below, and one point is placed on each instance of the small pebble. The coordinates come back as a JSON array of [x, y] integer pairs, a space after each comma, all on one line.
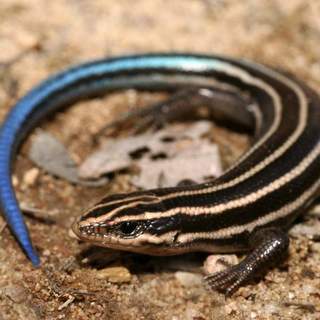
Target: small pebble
[[31, 176], [230, 307], [291, 295], [188, 279], [37, 287], [315, 247], [15, 180], [219, 262], [46, 253], [115, 274]]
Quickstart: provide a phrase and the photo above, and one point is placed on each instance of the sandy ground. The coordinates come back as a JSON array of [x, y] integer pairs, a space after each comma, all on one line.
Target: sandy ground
[[42, 37]]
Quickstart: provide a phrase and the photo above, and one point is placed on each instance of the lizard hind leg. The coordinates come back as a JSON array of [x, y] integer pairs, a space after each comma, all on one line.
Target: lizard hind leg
[[222, 105]]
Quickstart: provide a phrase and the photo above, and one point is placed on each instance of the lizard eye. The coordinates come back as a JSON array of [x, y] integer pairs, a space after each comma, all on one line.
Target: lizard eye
[[129, 228]]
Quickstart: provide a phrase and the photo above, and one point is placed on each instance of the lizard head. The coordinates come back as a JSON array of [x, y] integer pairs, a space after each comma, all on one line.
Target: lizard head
[[131, 222]]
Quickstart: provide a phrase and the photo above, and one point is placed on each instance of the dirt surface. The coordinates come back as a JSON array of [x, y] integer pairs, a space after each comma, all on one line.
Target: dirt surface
[[38, 38]]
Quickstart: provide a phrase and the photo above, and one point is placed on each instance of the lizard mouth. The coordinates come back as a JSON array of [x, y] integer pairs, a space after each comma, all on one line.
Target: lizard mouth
[[89, 231]]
